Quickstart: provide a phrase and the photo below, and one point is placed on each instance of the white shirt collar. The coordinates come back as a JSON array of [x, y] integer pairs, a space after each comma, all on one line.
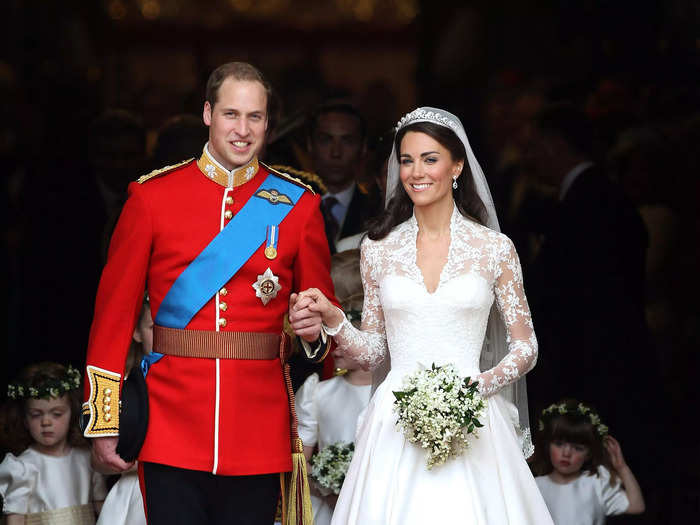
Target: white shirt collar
[[571, 177], [344, 196]]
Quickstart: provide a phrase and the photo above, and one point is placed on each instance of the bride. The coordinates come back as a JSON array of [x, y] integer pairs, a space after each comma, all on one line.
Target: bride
[[432, 268]]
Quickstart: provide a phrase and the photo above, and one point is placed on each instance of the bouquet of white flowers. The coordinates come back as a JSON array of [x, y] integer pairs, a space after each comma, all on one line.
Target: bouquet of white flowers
[[438, 410], [329, 466]]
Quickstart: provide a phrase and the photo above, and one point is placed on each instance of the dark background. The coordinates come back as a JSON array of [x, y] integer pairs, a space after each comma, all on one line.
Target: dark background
[[627, 64]]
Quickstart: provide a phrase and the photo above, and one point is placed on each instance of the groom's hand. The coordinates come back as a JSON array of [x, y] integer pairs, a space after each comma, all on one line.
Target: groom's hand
[[105, 458], [305, 322]]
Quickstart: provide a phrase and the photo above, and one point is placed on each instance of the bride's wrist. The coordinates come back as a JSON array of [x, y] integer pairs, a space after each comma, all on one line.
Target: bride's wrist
[[332, 320]]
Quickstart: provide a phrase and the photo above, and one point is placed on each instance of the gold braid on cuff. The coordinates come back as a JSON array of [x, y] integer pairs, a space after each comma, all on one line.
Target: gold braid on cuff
[[103, 403]]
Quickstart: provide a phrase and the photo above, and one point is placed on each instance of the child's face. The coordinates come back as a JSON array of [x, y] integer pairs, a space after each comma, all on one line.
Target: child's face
[[143, 333], [567, 458], [48, 422], [343, 362]]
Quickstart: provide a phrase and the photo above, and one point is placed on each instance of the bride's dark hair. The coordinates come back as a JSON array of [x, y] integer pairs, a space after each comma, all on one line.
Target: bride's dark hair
[[400, 207]]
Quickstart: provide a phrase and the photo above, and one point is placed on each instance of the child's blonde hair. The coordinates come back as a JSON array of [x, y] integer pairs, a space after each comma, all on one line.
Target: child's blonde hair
[[15, 436], [345, 273]]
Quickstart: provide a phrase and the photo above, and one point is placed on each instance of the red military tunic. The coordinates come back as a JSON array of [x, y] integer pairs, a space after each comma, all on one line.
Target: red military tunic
[[229, 417]]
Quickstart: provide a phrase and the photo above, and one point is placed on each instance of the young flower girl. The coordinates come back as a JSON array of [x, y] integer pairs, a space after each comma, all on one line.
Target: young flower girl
[[580, 469], [51, 479]]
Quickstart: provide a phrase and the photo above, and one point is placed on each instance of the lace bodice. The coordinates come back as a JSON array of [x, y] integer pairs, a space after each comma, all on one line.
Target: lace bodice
[[448, 325]]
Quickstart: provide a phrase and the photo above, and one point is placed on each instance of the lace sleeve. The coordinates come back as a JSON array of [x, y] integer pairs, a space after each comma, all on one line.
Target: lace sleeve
[[520, 334], [368, 345]]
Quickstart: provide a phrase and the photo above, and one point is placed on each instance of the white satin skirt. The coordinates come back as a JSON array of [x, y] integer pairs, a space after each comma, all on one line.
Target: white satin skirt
[[388, 483]]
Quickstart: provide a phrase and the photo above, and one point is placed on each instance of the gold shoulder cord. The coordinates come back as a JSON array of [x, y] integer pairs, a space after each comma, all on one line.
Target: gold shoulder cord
[[162, 171], [301, 177]]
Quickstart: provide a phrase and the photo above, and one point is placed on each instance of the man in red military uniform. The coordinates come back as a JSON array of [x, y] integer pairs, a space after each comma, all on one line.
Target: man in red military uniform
[[221, 243]]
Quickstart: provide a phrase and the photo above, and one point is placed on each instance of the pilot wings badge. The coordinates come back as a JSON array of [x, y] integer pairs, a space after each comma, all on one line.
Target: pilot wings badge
[[274, 197]]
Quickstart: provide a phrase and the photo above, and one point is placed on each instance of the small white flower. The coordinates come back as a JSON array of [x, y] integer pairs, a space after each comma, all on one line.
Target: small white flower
[[329, 466]]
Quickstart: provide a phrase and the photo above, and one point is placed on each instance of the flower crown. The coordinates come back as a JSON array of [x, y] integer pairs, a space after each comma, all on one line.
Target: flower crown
[[49, 388], [581, 410], [424, 114]]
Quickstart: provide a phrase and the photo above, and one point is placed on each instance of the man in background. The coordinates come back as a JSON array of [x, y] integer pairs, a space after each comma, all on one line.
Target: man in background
[[338, 146]]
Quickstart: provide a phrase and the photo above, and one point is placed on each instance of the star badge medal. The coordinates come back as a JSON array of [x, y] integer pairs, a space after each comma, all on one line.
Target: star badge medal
[[267, 286], [271, 241]]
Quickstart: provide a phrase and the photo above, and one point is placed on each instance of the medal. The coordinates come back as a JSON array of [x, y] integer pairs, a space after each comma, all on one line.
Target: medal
[[267, 286], [271, 242]]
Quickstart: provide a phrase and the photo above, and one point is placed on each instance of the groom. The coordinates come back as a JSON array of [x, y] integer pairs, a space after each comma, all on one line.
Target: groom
[[221, 243]]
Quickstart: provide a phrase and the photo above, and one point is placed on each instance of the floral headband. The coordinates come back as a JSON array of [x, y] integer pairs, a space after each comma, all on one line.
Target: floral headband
[[580, 410], [49, 388]]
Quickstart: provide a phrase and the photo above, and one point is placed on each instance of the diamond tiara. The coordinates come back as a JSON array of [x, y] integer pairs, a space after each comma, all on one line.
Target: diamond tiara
[[421, 114]]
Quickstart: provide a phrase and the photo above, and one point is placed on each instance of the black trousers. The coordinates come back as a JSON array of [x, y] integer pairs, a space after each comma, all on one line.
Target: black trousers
[[176, 496]]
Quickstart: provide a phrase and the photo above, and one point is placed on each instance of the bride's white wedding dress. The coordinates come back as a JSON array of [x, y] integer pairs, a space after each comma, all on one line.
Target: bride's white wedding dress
[[490, 484]]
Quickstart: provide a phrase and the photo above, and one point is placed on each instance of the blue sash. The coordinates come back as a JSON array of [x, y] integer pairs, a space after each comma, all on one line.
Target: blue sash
[[227, 252]]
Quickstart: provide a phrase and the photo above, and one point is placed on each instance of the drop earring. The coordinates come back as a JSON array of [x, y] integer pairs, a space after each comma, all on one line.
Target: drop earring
[[454, 182]]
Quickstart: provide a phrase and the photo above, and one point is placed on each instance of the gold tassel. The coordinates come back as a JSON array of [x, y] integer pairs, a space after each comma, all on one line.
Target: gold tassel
[[296, 496]]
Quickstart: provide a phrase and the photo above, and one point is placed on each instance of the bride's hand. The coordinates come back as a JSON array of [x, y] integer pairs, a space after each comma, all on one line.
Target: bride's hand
[[305, 323], [331, 315]]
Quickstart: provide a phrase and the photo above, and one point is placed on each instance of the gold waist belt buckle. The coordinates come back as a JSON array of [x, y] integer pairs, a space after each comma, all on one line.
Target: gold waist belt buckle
[[215, 345]]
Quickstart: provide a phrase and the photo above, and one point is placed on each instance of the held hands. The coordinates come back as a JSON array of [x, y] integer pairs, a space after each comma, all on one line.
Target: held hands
[[105, 458], [305, 322], [310, 308]]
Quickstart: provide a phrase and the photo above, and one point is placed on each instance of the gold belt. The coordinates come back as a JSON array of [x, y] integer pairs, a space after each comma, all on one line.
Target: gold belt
[[76, 515], [216, 345]]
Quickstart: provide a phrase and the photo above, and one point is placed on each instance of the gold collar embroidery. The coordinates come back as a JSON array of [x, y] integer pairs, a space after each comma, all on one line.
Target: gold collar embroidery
[[229, 179]]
